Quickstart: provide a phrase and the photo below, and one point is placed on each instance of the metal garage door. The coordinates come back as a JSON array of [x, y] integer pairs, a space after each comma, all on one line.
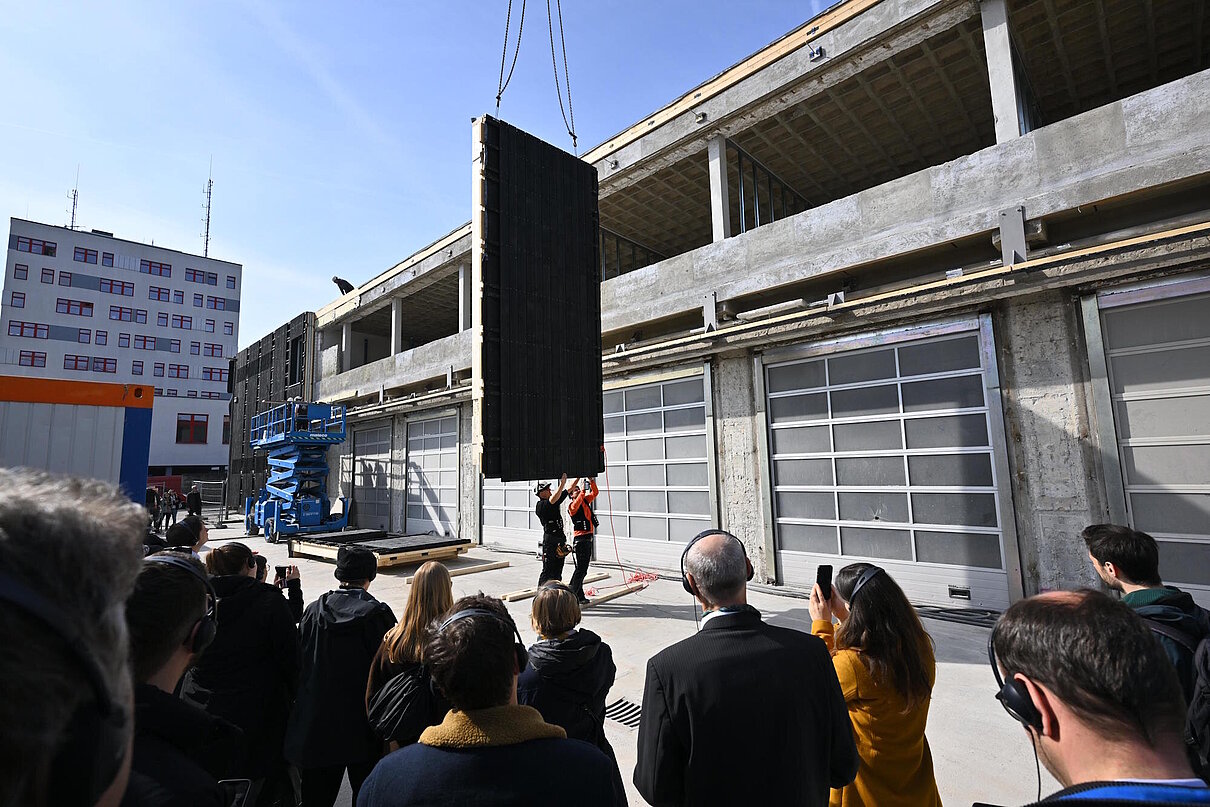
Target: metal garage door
[[372, 477], [508, 514], [432, 503], [890, 454], [1158, 359]]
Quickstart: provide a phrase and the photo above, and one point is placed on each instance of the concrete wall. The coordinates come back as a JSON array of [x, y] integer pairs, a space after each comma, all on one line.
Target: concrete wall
[[1147, 139], [469, 481], [428, 361], [1056, 490]]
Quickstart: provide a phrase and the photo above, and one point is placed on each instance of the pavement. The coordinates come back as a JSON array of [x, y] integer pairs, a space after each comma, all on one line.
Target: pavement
[[979, 752]]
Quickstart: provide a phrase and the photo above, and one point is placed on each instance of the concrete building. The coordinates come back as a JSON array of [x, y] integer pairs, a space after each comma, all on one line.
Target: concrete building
[[923, 282], [88, 306]]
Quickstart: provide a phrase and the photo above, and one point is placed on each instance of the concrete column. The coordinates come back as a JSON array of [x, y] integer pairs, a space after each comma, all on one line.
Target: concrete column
[[720, 201], [465, 300], [346, 347], [396, 325], [1006, 95], [736, 435]]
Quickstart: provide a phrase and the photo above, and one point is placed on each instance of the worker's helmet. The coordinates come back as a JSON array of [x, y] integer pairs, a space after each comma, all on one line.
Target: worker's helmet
[[541, 486]]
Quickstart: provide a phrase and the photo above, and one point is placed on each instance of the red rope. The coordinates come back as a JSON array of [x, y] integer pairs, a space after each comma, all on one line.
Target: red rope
[[639, 575]]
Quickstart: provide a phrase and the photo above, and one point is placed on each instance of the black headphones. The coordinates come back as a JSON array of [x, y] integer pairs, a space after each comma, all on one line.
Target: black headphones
[[700, 536], [94, 744], [1013, 695], [205, 629], [518, 648]]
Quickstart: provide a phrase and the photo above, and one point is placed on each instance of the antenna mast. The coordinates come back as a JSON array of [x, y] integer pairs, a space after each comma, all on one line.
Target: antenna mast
[[209, 190], [75, 197]]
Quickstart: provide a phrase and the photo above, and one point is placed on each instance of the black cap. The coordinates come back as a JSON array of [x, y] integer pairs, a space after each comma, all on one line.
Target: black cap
[[354, 563], [541, 486]]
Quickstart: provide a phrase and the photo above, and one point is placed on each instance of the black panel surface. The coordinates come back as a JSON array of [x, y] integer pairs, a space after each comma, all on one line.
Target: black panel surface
[[541, 309]]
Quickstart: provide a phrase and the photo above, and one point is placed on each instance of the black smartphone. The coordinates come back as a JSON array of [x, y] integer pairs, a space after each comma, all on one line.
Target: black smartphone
[[823, 577], [280, 571]]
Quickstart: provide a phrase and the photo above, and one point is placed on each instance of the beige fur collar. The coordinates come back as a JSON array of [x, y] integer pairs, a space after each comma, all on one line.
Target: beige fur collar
[[482, 728]]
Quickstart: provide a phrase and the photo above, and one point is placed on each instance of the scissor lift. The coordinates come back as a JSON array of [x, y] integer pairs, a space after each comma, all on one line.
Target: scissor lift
[[294, 501]]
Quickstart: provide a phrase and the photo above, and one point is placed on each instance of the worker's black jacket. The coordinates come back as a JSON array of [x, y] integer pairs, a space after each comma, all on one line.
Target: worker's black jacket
[[550, 515]]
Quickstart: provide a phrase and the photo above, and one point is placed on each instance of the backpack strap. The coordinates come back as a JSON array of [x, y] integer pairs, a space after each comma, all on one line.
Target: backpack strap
[[1185, 640]]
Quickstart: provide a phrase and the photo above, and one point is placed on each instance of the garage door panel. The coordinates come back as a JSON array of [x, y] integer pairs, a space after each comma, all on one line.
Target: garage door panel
[[1186, 416], [371, 465], [432, 475]]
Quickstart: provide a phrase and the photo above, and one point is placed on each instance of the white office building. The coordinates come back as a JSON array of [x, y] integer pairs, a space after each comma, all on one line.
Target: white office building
[[90, 306]]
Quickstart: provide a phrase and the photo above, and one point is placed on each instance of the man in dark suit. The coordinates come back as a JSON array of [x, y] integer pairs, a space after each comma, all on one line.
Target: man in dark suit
[[742, 711]]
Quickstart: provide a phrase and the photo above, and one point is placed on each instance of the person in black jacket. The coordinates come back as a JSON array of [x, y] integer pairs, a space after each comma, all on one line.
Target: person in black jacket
[[704, 694], [180, 752], [249, 675], [569, 673], [328, 730], [193, 502], [554, 541]]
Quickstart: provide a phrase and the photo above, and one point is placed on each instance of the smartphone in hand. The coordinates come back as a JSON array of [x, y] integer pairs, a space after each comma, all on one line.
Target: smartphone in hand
[[823, 578]]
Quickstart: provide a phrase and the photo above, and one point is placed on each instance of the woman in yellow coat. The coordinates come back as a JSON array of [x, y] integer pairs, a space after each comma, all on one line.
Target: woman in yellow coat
[[884, 660]]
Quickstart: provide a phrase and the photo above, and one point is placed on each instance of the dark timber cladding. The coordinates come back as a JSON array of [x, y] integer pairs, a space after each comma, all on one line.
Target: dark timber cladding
[[537, 323]]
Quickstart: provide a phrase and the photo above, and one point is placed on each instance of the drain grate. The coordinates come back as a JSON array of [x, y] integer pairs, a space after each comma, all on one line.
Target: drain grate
[[624, 712]]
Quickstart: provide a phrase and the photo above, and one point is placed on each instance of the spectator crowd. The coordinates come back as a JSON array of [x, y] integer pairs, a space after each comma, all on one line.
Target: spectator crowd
[[138, 671]]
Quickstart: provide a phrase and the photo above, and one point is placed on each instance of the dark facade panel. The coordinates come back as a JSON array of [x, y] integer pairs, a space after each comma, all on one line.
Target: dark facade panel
[[539, 317]]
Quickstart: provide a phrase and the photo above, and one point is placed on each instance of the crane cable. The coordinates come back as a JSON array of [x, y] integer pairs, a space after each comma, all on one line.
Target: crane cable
[[502, 85], [550, 25], [568, 113]]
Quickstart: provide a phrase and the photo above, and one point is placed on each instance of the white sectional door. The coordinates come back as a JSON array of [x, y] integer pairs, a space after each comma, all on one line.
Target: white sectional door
[[372, 476], [432, 484], [887, 454]]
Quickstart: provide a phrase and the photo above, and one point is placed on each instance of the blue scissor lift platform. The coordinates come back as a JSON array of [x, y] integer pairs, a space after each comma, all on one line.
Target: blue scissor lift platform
[[294, 501]]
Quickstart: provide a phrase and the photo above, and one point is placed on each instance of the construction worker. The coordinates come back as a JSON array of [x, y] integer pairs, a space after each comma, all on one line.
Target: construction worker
[[554, 542], [583, 525]]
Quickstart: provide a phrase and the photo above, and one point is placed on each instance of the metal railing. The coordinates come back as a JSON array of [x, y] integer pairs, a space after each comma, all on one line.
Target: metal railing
[[763, 196], [620, 255]]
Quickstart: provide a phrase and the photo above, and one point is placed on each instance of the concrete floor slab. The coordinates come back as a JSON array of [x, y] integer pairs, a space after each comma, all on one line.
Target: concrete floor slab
[[979, 753]]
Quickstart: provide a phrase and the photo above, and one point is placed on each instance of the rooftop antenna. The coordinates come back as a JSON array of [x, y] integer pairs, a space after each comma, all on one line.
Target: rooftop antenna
[[75, 197], [209, 190]]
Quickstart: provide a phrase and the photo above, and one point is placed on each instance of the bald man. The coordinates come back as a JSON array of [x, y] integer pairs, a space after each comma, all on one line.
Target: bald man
[[739, 697], [1098, 697]]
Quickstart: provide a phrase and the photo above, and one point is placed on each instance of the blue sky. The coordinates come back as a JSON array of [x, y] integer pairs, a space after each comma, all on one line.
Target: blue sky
[[340, 132]]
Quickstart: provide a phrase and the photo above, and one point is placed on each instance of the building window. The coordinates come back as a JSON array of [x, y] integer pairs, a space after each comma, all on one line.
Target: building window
[[170, 393], [73, 362], [107, 259], [17, 299], [20, 272], [226, 430], [48, 275], [174, 345], [123, 340], [214, 374], [30, 330], [195, 348], [198, 300], [161, 319], [117, 312], [136, 367], [155, 268], [212, 396], [178, 371], [76, 308], [209, 326], [159, 293], [230, 281], [229, 328], [102, 337], [191, 428], [211, 279], [64, 278], [178, 297], [144, 342], [157, 369], [110, 286], [191, 393], [182, 322], [215, 351], [84, 336], [32, 358], [159, 390], [36, 246], [85, 255], [140, 315], [217, 303], [100, 365], [194, 275]]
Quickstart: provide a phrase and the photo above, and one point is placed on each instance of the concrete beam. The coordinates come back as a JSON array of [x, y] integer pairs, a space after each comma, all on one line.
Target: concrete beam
[[396, 325], [465, 298], [720, 200], [1006, 106], [426, 362]]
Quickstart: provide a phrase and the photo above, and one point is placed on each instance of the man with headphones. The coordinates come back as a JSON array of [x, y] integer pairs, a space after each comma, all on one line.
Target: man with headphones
[[1098, 698], [740, 696], [487, 744], [180, 752]]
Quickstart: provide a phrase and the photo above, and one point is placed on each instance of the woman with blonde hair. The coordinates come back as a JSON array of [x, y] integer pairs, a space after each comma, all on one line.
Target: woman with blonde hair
[[402, 654], [884, 660]]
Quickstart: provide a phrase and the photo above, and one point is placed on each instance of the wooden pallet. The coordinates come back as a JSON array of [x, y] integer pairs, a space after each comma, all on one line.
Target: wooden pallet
[[304, 549], [526, 593], [461, 570]]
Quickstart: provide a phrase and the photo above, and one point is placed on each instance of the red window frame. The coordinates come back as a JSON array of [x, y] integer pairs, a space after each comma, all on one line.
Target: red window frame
[[195, 348], [72, 361], [229, 328], [17, 299], [178, 297], [216, 303], [182, 322], [77, 308], [159, 293], [192, 428], [144, 342], [140, 316], [102, 338], [31, 358], [119, 287], [178, 371], [84, 255], [230, 281], [48, 275], [157, 369], [107, 259], [64, 278], [214, 374], [123, 340], [121, 314], [84, 336], [209, 326], [29, 330], [20, 271], [155, 268], [103, 365], [199, 300], [136, 367], [194, 275], [214, 351], [161, 319], [174, 345], [36, 246]]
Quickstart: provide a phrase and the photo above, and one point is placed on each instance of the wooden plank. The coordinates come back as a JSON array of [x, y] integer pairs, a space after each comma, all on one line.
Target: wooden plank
[[305, 549], [461, 570], [526, 593], [613, 595]]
